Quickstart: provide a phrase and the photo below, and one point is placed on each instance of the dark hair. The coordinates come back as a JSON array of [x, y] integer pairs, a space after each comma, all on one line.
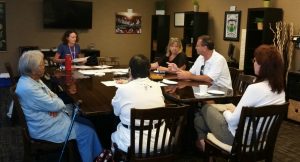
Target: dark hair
[[207, 41], [67, 34], [139, 66], [271, 66]]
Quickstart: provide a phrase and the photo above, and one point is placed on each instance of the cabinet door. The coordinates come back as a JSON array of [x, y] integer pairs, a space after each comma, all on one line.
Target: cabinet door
[[159, 35], [195, 25], [255, 36]]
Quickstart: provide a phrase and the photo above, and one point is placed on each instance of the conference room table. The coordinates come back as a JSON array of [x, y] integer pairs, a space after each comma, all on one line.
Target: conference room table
[[96, 97]]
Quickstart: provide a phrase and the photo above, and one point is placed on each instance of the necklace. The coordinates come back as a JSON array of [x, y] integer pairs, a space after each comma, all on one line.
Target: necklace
[[73, 53]]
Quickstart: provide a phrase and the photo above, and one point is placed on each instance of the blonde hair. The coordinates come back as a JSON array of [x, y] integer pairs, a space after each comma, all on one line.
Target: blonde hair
[[172, 41]]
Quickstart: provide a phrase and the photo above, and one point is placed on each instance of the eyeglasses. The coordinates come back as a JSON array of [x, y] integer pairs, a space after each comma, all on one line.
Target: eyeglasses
[[202, 69]]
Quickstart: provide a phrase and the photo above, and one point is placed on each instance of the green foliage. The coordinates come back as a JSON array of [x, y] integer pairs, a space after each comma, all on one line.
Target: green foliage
[[259, 19], [160, 5], [195, 2]]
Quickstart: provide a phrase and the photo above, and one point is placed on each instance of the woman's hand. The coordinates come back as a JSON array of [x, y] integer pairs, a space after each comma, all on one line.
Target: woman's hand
[[172, 67], [53, 114]]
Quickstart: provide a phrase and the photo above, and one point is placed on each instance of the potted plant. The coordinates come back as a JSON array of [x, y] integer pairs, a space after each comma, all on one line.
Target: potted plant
[[266, 3], [196, 5], [260, 23], [160, 7]]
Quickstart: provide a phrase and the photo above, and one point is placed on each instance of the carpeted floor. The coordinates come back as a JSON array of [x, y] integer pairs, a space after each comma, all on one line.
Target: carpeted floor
[[287, 147]]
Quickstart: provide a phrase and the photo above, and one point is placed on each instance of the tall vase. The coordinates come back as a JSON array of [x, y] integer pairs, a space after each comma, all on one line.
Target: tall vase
[[196, 8], [266, 3]]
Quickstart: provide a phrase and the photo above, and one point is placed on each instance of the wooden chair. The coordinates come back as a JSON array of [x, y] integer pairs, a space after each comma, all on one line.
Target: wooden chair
[[248, 146], [9, 69], [34, 147], [244, 81], [235, 73], [174, 120]]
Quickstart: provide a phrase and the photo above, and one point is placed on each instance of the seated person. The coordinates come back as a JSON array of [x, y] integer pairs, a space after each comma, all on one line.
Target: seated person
[[45, 112], [210, 66], [174, 55], [267, 90], [140, 93], [70, 46]]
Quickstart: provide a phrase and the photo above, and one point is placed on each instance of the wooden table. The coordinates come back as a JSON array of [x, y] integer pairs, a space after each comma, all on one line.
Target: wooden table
[[96, 97]]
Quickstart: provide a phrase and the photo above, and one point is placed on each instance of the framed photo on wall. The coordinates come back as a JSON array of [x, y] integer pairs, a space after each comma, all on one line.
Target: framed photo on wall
[[3, 43], [178, 19], [232, 24]]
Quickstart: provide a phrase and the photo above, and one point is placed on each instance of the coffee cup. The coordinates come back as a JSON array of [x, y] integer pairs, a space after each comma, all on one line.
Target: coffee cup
[[203, 89]]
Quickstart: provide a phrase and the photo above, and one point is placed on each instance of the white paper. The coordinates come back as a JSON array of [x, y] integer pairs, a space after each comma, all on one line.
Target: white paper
[[102, 66], [82, 59], [92, 72], [4, 75]]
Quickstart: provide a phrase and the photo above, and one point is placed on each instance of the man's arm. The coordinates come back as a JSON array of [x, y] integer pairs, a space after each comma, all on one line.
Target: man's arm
[[182, 74]]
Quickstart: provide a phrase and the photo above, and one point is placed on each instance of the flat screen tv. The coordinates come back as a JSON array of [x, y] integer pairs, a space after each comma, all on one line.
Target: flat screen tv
[[66, 14]]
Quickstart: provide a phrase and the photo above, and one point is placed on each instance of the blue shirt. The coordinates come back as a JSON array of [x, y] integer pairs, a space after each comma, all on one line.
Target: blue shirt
[[37, 100], [64, 49]]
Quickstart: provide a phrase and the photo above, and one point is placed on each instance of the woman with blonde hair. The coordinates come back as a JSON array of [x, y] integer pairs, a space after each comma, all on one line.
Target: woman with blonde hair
[[174, 55]]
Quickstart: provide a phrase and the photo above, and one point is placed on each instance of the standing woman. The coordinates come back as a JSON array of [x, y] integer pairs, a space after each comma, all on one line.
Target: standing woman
[[174, 55], [69, 45]]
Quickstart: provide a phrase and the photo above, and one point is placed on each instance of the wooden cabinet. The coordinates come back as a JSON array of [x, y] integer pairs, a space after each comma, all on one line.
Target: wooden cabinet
[[159, 35], [255, 36], [195, 25], [292, 92]]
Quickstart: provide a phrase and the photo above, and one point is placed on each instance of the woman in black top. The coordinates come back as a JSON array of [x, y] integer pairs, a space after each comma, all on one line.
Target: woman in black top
[[174, 55]]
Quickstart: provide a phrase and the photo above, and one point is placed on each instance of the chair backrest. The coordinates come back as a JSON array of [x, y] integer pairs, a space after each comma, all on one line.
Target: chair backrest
[[165, 124], [10, 72], [244, 81], [234, 74], [257, 131], [21, 117]]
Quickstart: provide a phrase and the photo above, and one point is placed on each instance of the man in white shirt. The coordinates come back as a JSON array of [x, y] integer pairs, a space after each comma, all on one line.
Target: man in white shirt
[[209, 67]]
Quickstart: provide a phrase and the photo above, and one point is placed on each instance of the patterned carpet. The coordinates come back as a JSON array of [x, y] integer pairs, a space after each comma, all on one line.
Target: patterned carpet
[[287, 148]]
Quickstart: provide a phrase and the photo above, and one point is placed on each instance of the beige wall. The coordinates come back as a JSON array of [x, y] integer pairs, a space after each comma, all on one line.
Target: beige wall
[[216, 17], [24, 25]]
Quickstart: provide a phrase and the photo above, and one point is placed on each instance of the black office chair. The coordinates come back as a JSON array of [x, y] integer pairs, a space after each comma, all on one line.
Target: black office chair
[[249, 146]]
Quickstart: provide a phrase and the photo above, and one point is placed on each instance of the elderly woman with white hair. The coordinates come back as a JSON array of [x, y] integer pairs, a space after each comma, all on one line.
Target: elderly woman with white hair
[[45, 111]]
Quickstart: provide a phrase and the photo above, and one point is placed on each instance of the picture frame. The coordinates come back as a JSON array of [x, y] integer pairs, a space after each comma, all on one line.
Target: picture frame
[[179, 19], [3, 42], [128, 23], [232, 22]]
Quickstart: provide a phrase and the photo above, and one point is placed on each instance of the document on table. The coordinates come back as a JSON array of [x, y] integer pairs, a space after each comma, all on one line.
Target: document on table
[[92, 72], [80, 59]]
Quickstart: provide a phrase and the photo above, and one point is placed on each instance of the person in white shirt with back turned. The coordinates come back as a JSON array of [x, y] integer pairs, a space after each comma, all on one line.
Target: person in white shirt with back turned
[[210, 66], [140, 93]]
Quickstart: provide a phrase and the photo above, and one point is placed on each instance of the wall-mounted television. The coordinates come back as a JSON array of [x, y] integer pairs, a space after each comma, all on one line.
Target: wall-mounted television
[[67, 14]]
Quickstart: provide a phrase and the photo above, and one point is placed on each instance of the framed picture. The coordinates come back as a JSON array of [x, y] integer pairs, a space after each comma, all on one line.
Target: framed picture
[[128, 23], [232, 25], [3, 43], [179, 19]]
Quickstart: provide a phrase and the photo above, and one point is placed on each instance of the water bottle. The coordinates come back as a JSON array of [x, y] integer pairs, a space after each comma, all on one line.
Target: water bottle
[[68, 62]]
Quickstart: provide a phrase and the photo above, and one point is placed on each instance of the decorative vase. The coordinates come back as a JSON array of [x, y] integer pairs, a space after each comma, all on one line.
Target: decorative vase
[[266, 3], [260, 25], [196, 8]]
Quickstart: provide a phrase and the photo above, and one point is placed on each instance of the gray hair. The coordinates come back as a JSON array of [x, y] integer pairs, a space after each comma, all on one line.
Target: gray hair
[[30, 61]]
